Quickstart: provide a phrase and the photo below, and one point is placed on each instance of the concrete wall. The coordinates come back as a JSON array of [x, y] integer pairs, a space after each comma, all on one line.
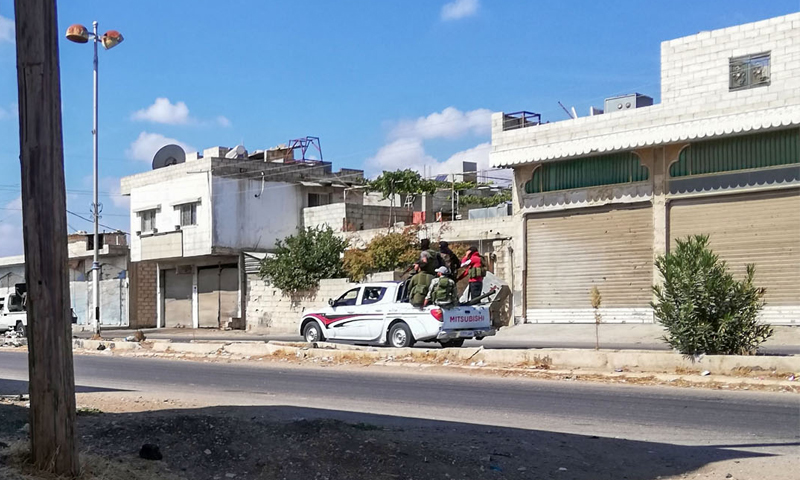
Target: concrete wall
[[244, 222], [270, 311], [478, 231], [355, 217], [164, 196]]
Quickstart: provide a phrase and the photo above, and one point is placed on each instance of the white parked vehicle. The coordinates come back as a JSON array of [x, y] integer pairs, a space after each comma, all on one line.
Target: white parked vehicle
[[380, 313], [12, 312]]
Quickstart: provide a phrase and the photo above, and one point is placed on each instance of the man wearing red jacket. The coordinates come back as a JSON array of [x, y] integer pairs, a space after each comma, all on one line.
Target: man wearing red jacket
[[473, 266]]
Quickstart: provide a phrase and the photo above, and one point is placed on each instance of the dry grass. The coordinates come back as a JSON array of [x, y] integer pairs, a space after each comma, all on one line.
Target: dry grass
[[15, 465]]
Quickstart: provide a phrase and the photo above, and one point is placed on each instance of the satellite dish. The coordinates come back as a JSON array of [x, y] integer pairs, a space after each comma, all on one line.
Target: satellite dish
[[168, 155], [236, 152]]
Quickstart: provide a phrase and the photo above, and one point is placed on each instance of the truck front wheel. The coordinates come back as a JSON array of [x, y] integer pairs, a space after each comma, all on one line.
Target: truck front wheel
[[20, 329], [400, 336]]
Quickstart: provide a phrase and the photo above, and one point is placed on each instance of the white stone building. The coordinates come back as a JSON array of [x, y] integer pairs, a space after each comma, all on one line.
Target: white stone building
[[597, 198], [196, 219]]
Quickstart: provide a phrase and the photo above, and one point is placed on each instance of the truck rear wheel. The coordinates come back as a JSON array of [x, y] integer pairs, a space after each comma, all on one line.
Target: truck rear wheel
[[20, 329], [457, 343], [400, 336]]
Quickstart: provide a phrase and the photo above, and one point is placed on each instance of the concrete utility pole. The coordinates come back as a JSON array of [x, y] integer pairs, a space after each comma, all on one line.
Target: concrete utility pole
[[44, 220]]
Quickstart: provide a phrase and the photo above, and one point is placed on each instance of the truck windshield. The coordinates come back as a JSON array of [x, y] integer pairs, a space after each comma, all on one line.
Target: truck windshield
[[15, 303]]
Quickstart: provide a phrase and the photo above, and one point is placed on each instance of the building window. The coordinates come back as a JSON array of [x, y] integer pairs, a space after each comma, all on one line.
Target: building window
[[749, 71], [148, 218], [188, 214], [317, 199]]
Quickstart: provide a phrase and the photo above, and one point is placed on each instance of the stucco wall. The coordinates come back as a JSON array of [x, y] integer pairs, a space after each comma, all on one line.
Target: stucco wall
[[244, 222]]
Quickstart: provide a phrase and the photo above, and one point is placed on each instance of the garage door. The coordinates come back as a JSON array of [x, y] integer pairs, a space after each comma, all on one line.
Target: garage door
[[763, 229], [218, 295], [177, 299], [569, 253]]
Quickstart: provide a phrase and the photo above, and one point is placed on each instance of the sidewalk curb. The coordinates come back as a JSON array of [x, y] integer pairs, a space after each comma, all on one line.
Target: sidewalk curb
[[628, 361]]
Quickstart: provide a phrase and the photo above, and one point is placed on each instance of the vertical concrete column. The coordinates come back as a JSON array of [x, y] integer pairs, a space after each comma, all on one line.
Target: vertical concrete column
[[195, 299], [159, 298], [519, 257]]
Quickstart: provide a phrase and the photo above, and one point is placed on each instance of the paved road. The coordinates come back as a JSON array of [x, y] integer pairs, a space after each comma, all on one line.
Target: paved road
[[672, 415], [502, 342]]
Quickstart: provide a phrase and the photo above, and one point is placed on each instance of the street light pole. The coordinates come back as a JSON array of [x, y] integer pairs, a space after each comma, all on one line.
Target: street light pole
[[79, 34], [95, 204]]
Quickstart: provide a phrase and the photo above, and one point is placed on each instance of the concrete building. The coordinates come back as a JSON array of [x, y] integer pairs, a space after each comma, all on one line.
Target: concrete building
[[196, 219], [116, 278], [597, 198]]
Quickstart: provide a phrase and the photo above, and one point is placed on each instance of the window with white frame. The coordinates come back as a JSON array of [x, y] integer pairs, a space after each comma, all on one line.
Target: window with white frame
[[148, 218], [188, 213]]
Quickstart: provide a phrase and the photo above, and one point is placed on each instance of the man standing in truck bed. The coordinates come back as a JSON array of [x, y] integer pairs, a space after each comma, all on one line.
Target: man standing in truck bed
[[474, 268]]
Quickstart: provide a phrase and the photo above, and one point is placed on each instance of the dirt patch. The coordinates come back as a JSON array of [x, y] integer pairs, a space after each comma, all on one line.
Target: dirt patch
[[222, 443]]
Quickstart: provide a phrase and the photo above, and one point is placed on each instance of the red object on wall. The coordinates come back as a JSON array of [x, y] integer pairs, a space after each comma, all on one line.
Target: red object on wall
[[419, 218]]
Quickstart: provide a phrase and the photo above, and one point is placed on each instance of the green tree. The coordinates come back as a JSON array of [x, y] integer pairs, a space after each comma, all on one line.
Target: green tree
[[302, 260], [703, 307], [400, 182]]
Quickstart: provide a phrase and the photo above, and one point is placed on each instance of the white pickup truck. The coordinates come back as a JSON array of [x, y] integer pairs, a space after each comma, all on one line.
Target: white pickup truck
[[12, 312], [380, 313]]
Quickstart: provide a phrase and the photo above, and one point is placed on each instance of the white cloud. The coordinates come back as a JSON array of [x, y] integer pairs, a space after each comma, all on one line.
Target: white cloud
[[410, 153], [164, 111], [223, 121], [6, 30], [449, 123], [458, 9], [147, 144]]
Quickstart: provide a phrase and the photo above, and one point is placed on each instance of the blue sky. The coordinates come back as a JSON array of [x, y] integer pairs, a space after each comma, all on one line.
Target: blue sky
[[385, 84]]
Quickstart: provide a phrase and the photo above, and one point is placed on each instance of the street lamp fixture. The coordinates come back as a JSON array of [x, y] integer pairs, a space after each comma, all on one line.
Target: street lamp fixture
[[79, 34]]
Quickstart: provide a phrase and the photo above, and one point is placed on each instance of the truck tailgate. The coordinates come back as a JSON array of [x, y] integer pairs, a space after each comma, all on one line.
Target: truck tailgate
[[466, 318]]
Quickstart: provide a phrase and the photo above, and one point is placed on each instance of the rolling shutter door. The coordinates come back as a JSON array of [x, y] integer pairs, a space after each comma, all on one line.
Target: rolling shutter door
[[570, 252], [218, 295], [763, 229], [177, 299]]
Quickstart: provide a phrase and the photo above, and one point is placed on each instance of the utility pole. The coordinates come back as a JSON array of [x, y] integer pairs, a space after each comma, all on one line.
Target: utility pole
[[95, 204], [44, 220]]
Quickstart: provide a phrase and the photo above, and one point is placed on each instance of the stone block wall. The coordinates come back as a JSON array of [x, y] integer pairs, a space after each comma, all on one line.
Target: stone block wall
[[269, 310], [143, 295]]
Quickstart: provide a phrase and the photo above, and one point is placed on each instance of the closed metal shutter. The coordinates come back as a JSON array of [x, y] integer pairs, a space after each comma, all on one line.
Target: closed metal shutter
[[763, 229], [177, 299], [218, 295], [570, 252]]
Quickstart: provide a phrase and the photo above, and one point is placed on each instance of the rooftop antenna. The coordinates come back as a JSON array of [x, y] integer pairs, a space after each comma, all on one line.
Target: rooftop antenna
[[168, 155], [568, 112]]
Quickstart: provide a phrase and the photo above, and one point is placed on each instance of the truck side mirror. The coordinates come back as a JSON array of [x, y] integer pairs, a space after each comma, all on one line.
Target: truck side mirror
[[331, 302]]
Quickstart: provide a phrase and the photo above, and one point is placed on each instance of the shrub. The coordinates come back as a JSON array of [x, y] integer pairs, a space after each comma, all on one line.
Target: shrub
[[383, 253], [302, 260], [704, 309]]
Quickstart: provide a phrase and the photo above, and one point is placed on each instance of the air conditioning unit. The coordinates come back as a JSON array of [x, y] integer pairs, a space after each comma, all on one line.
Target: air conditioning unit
[[626, 102]]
